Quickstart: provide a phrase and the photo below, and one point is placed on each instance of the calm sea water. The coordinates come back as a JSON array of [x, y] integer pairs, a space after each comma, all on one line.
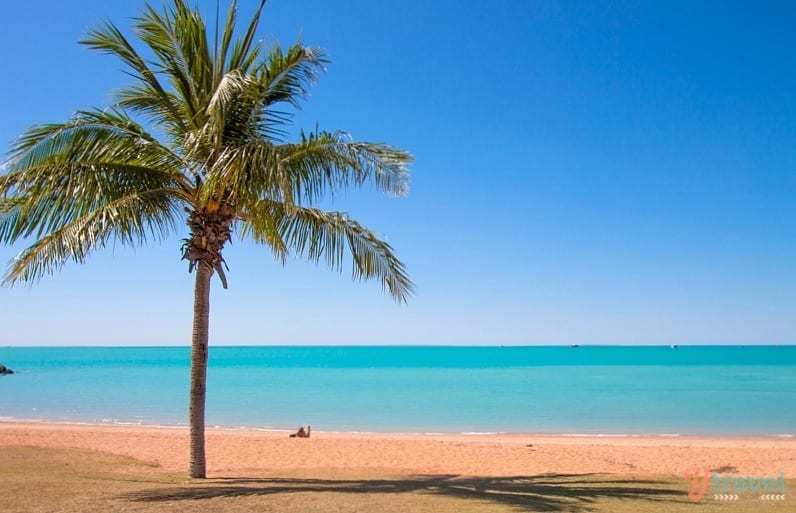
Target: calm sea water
[[590, 390]]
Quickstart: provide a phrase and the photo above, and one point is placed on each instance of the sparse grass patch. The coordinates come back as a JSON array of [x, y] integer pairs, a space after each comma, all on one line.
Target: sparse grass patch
[[69, 480]]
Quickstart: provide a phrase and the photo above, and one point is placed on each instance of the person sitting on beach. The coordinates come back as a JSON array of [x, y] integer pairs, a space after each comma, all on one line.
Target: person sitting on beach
[[303, 432]]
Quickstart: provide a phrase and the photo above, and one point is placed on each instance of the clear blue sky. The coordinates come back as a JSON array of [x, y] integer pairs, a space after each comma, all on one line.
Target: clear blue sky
[[585, 173]]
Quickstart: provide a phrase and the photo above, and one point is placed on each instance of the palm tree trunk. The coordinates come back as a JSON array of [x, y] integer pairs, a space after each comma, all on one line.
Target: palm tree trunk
[[196, 411]]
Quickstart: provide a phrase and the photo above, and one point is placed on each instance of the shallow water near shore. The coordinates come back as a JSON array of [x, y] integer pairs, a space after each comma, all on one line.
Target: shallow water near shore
[[589, 390]]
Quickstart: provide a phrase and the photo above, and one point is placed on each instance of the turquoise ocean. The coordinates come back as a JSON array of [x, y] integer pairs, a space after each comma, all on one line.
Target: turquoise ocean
[[589, 390]]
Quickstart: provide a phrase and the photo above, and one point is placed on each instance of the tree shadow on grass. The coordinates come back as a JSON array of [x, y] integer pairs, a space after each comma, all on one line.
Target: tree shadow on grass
[[548, 492]]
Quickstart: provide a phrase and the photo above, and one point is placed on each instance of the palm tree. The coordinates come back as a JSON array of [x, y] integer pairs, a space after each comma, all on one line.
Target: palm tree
[[198, 137]]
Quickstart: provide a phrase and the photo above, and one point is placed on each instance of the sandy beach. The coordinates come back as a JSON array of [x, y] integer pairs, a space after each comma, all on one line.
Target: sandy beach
[[259, 453]]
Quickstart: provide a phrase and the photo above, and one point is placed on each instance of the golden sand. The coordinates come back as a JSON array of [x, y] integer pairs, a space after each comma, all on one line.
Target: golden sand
[[260, 453]]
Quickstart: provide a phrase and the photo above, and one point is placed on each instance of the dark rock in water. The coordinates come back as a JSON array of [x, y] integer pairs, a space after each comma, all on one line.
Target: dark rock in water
[[5, 370]]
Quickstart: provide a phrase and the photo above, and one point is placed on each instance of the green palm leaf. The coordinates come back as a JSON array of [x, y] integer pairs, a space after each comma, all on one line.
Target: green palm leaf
[[321, 236], [130, 220]]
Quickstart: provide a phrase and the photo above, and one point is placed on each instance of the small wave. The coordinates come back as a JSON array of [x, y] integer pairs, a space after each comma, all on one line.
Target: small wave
[[601, 435], [119, 422], [267, 429]]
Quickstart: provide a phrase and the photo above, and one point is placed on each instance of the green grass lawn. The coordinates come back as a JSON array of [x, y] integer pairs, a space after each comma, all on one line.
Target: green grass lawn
[[47, 480]]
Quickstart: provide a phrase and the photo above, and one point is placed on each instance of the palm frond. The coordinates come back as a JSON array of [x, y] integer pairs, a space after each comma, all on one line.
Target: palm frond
[[94, 137], [243, 174], [324, 163], [321, 236], [321, 165], [61, 173], [109, 39], [226, 39], [192, 38], [230, 114], [131, 219], [140, 98], [160, 32], [241, 108], [287, 76], [243, 54]]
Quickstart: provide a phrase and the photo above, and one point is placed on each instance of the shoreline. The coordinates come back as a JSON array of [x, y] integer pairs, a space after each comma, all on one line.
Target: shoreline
[[236, 452], [531, 434]]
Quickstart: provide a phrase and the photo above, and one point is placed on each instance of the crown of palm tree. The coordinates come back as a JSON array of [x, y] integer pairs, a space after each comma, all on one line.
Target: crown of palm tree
[[220, 113]]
